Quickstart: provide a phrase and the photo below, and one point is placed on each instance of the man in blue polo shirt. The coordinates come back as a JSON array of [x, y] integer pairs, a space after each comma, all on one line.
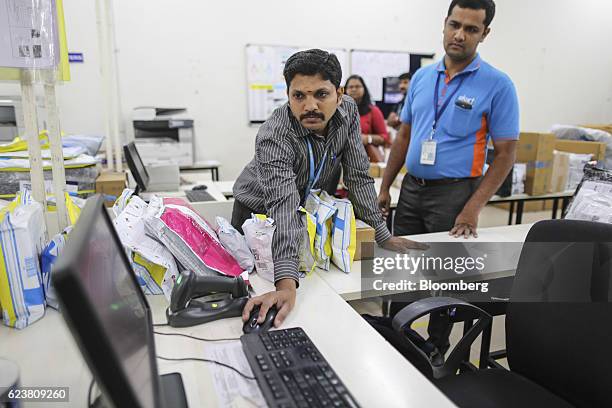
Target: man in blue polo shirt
[[452, 110]]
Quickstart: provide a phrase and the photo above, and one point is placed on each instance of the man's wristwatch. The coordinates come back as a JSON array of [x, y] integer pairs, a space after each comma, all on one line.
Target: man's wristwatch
[[369, 139]]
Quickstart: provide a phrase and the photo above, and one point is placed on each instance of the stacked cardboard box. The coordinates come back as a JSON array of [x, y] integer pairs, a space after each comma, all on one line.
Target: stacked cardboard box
[[605, 128], [365, 235], [536, 150], [597, 149], [111, 185], [546, 171], [560, 171], [377, 169]]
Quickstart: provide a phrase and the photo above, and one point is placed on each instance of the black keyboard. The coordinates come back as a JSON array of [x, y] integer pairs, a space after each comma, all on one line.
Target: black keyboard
[[195, 196], [291, 372]]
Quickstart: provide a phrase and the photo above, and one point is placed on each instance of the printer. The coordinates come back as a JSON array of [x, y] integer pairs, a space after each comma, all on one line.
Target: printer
[[164, 135]]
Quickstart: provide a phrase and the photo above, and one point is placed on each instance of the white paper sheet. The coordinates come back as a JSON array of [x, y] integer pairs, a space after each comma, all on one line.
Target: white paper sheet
[[28, 34], [232, 389]]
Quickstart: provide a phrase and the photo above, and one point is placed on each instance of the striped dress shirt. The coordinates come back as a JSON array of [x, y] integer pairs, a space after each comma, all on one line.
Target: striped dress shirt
[[274, 182]]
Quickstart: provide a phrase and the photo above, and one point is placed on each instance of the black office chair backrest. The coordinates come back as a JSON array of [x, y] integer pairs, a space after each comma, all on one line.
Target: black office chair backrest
[[559, 321]]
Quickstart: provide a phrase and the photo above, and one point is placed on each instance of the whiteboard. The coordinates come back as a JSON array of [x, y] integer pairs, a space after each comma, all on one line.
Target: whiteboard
[[266, 86], [373, 66]]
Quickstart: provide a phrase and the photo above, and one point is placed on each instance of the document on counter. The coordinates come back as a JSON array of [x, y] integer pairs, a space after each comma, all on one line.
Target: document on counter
[[232, 389]]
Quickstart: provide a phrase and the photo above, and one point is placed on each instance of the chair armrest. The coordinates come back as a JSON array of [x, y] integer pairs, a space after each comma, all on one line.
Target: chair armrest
[[420, 308]]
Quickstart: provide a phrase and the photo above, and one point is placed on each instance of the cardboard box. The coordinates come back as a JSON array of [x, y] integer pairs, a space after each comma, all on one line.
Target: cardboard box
[[111, 185], [597, 149], [375, 170], [365, 234], [560, 172], [605, 128], [536, 150], [528, 206]]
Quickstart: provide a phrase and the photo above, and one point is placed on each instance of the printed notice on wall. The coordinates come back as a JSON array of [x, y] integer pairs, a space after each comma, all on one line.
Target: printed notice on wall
[[28, 34]]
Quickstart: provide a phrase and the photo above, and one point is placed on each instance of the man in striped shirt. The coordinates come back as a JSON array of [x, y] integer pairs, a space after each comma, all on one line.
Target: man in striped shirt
[[297, 149]]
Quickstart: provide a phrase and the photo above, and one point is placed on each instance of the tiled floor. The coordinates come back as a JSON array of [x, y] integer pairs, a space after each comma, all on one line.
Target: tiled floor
[[490, 217]]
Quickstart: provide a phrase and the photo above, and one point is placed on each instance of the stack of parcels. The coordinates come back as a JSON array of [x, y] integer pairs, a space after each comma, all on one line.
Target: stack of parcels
[[593, 199], [519, 174], [330, 234], [568, 169], [26, 260], [592, 133], [79, 162], [166, 236], [22, 235]]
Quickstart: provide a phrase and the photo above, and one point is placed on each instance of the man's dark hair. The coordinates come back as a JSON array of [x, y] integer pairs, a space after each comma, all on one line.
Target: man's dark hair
[[405, 76], [487, 5], [366, 101], [313, 62]]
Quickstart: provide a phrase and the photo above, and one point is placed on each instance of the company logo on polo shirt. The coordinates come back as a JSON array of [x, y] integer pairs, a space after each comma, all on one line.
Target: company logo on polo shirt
[[465, 102]]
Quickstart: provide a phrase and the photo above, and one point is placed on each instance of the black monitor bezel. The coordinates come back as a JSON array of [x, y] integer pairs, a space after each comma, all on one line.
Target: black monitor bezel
[[132, 156], [384, 98], [84, 325]]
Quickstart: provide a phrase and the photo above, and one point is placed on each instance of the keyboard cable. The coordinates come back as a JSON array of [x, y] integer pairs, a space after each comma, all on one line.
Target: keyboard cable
[[204, 360]]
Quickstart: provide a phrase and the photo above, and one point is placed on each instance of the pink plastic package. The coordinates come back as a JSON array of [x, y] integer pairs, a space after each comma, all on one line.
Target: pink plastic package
[[191, 239]]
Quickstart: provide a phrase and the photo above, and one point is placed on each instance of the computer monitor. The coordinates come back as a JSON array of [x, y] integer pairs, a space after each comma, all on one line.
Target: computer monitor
[[7, 115], [137, 167], [108, 315], [8, 122], [391, 90]]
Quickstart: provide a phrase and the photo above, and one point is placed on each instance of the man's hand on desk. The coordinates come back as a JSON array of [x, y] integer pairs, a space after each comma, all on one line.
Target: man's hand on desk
[[465, 224], [384, 202], [402, 245], [283, 298]]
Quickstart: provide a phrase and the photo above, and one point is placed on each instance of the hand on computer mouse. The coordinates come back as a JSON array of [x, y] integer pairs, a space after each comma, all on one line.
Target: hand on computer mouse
[[283, 298], [253, 326]]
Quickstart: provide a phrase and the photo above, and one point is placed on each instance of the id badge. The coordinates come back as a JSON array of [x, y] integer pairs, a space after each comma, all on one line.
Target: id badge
[[428, 152]]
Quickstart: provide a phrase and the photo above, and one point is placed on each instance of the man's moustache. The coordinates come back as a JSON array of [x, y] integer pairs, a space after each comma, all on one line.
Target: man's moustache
[[312, 116]]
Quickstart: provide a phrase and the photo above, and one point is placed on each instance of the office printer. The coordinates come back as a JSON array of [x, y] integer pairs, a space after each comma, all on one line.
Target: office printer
[[164, 135]]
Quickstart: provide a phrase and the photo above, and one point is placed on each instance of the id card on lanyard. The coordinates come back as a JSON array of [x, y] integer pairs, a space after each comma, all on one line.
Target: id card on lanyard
[[428, 147], [313, 175]]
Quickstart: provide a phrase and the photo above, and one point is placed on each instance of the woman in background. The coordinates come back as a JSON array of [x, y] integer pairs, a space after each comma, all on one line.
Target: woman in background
[[373, 127]]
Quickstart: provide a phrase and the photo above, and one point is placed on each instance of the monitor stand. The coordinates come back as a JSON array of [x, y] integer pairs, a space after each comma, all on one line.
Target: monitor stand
[[172, 393]]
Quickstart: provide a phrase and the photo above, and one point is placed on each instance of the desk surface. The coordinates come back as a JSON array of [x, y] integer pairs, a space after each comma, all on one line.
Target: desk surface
[[225, 187], [376, 374], [190, 181], [522, 197], [348, 286], [395, 193]]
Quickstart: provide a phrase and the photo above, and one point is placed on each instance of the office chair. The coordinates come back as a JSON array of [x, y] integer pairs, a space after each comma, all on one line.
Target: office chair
[[558, 325]]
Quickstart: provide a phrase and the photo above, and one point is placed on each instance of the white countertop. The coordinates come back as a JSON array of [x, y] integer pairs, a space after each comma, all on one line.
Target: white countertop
[[376, 374], [349, 286]]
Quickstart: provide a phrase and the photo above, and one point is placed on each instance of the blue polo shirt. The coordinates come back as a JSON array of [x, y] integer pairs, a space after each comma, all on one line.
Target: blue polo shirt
[[462, 133]]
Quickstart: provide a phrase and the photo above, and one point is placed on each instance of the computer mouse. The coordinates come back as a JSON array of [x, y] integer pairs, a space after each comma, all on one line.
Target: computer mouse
[[200, 187], [251, 325]]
